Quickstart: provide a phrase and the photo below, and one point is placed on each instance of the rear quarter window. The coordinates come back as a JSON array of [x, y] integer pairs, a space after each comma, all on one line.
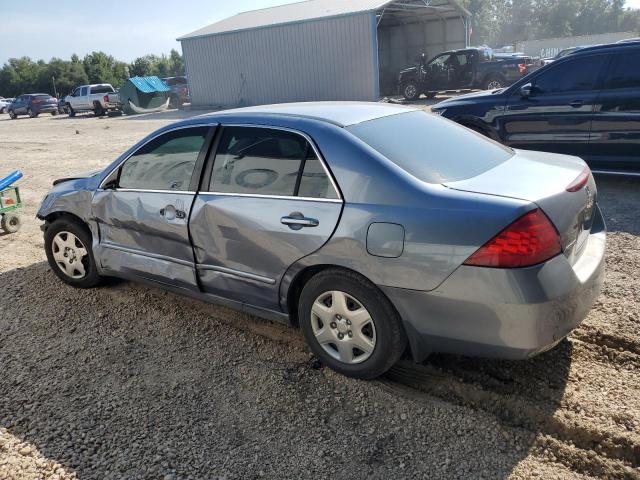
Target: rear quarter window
[[431, 148]]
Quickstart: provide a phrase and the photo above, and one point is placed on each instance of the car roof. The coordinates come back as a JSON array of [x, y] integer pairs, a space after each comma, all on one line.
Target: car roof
[[342, 114], [606, 47]]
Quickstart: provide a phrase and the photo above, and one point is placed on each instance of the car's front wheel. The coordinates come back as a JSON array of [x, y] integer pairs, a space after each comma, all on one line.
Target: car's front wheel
[[410, 90], [70, 110], [350, 325], [68, 247], [12, 115]]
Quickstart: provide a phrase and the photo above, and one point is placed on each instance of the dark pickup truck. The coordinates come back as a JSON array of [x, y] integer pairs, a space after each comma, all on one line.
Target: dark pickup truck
[[471, 68]]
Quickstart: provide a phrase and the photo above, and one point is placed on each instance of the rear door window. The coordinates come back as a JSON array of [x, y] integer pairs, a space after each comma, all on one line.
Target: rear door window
[[624, 72], [83, 91], [265, 161], [166, 163], [102, 89], [431, 148], [575, 75]]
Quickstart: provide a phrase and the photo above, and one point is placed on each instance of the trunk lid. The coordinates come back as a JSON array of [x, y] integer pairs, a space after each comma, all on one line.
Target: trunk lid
[[543, 178]]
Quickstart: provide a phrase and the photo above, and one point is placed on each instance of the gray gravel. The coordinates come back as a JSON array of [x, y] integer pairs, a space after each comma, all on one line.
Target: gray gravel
[[132, 382]]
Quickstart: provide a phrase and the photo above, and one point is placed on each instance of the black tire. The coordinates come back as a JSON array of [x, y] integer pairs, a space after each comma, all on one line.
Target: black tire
[[72, 112], [411, 90], [174, 102], [98, 109], [430, 95], [391, 339], [31, 113], [12, 115], [10, 222], [494, 82], [65, 224], [54, 113], [1, 110]]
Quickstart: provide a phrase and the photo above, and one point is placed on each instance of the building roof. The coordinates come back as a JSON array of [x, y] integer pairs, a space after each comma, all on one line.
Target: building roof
[[342, 114], [316, 9]]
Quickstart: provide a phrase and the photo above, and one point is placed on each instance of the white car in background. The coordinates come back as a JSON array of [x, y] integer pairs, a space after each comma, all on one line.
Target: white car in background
[[4, 103]]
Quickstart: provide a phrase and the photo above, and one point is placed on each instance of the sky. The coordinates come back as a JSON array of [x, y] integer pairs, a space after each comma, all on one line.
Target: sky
[[125, 29]]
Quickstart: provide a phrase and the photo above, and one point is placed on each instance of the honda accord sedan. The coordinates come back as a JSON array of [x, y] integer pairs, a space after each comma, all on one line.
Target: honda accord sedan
[[377, 229]]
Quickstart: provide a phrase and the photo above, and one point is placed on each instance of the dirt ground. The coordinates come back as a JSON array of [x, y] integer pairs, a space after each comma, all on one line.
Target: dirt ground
[[128, 381]]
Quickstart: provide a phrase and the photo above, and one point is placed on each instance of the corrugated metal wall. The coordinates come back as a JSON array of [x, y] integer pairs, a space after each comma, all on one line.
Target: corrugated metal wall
[[327, 59], [399, 45]]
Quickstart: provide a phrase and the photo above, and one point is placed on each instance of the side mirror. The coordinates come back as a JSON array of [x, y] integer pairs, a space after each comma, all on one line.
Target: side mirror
[[526, 90]]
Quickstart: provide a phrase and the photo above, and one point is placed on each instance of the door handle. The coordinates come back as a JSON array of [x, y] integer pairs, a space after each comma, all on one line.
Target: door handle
[[170, 213], [577, 103], [296, 221]]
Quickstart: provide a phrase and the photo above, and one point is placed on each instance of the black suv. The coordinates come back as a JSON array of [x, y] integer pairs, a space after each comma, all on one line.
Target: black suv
[[585, 104]]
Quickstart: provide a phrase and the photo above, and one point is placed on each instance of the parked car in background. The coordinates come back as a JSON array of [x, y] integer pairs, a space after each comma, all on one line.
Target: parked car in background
[[91, 98], [585, 104], [371, 226], [179, 91], [462, 69], [4, 104], [33, 104]]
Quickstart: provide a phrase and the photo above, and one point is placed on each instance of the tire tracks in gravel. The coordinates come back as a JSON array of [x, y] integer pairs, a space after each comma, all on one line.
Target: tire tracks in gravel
[[584, 448]]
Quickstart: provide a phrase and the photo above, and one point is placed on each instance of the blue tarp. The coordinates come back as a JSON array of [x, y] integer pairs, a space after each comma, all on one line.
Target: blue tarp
[[149, 84]]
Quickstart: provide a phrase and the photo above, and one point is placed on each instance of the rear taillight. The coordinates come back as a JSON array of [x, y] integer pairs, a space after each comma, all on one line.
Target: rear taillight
[[530, 240], [522, 68], [105, 99], [580, 181], [35, 100]]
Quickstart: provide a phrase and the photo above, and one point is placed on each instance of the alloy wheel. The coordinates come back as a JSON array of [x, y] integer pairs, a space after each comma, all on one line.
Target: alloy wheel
[[70, 255], [343, 327], [410, 91], [494, 85]]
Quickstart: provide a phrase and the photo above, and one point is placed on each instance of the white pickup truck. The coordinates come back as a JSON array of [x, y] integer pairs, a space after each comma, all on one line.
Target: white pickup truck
[[99, 99]]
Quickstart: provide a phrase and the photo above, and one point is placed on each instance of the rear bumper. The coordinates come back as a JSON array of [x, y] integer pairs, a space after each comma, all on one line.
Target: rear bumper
[[500, 313], [46, 109]]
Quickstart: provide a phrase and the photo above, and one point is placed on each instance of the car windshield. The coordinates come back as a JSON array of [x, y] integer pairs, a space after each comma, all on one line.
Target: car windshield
[[431, 148]]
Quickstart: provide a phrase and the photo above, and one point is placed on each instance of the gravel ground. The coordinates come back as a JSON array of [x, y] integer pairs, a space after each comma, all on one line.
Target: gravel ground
[[128, 381]]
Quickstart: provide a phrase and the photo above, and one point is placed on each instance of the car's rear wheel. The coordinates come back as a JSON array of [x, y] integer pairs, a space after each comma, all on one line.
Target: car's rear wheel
[[10, 223], [410, 90], [350, 325], [98, 109], [12, 115], [31, 113], [68, 247]]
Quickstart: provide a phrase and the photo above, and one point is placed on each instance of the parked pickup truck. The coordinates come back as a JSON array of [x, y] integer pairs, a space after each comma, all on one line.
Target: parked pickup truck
[[470, 68], [92, 98]]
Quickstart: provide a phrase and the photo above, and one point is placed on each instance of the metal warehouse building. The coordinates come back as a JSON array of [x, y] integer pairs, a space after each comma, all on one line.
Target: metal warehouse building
[[317, 50]]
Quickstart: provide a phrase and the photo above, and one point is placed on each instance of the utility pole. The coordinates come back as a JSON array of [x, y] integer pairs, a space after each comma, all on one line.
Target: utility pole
[[55, 92]]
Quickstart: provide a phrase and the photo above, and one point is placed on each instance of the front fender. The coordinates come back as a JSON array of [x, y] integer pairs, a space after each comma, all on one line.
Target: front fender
[[73, 197]]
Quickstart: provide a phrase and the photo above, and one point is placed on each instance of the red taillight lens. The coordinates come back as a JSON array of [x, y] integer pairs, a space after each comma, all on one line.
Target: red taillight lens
[[580, 181], [530, 240], [105, 99], [522, 68]]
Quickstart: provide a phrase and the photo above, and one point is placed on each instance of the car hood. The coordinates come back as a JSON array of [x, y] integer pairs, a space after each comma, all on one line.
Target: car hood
[[468, 96], [408, 70], [79, 176]]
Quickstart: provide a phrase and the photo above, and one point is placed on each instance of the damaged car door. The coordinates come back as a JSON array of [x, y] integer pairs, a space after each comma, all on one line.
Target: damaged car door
[[142, 208], [270, 201]]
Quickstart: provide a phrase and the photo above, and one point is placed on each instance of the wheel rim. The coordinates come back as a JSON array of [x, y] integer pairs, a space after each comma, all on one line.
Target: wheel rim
[[410, 91], [494, 85], [70, 255], [343, 327]]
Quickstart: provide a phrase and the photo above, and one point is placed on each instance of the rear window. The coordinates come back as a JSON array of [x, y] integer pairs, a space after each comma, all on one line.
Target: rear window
[[43, 97], [431, 148], [102, 89]]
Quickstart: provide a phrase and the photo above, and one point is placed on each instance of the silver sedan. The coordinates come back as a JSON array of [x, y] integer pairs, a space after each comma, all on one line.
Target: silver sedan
[[375, 228]]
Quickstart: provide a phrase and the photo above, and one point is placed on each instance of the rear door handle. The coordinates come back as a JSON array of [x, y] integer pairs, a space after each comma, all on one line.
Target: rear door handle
[[297, 220], [170, 213], [577, 103]]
